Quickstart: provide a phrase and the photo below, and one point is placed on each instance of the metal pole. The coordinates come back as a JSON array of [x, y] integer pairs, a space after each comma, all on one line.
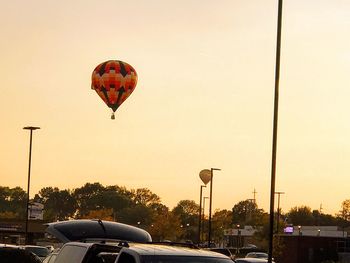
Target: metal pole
[[200, 214], [29, 167], [205, 197], [27, 203], [275, 125], [278, 210], [210, 203]]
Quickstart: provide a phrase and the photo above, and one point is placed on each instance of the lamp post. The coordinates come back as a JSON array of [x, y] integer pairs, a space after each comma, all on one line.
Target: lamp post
[[205, 197], [278, 209], [210, 202], [31, 129], [238, 241], [200, 213], [275, 126]]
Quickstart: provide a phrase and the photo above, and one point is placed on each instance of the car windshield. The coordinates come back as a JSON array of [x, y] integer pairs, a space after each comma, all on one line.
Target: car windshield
[[190, 259], [39, 251]]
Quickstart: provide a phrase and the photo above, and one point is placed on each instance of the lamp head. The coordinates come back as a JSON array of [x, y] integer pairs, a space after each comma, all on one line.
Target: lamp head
[[32, 128]]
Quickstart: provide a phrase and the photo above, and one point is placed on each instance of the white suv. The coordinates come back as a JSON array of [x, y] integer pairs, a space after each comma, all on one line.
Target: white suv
[[156, 253]]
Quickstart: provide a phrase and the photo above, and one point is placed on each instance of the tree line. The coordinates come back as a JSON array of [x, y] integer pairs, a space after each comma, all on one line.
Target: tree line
[[143, 208]]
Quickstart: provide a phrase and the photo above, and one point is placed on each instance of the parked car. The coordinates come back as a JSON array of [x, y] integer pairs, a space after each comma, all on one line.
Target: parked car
[[8, 245], [243, 251], [88, 240], [158, 253], [12, 254], [96, 241], [41, 252], [257, 255], [224, 251]]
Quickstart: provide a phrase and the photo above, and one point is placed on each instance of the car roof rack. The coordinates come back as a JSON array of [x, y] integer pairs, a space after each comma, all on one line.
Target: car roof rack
[[102, 241], [123, 244], [177, 244]]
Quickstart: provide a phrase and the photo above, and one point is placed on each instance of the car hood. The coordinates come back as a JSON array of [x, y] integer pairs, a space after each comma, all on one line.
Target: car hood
[[85, 229]]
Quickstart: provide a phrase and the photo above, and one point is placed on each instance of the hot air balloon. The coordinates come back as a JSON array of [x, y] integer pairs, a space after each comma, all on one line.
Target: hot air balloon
[[114, 81]]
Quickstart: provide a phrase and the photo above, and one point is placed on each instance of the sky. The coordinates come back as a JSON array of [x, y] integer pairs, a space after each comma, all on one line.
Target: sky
[[204, 98]]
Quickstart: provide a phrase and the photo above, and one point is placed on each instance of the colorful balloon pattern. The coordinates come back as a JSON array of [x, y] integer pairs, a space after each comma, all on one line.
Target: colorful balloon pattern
[[114, 81]]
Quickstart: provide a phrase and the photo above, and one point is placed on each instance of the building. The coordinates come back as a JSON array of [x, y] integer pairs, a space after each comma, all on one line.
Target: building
[[239, 237], [313, 244], [13, 232]]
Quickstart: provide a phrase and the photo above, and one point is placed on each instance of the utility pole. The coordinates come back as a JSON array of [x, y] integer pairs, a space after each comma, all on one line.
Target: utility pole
[[254, 193], [252, 201]]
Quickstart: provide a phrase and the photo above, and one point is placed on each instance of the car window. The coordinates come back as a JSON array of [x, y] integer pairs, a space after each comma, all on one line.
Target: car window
[[107, 257], [71, 253], [126, 258], [39, 251]]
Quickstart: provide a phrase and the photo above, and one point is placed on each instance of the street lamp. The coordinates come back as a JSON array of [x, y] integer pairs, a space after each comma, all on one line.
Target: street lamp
[[278, 209], [31, 129], [210, 202], [238, 243], [205, 197], [200, 213], [275, 126]]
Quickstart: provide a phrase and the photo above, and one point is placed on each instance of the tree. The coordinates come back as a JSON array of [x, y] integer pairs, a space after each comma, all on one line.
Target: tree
[[58, 204], [188, 211], [102, 214], [344, 213], [321, 219], [262, 233], [139, 215], [145, 197], [8, 215], [111, 198], [166, 226], [222, 219], [247, 213], [44, 194], [301, 215], [87, 197], [13, 200]]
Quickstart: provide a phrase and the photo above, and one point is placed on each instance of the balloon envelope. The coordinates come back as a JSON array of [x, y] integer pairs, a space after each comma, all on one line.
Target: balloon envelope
[[205, 176], [114, 81]]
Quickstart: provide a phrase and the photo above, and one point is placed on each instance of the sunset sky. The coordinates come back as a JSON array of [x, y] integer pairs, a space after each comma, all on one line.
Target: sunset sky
[[204, 98]]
